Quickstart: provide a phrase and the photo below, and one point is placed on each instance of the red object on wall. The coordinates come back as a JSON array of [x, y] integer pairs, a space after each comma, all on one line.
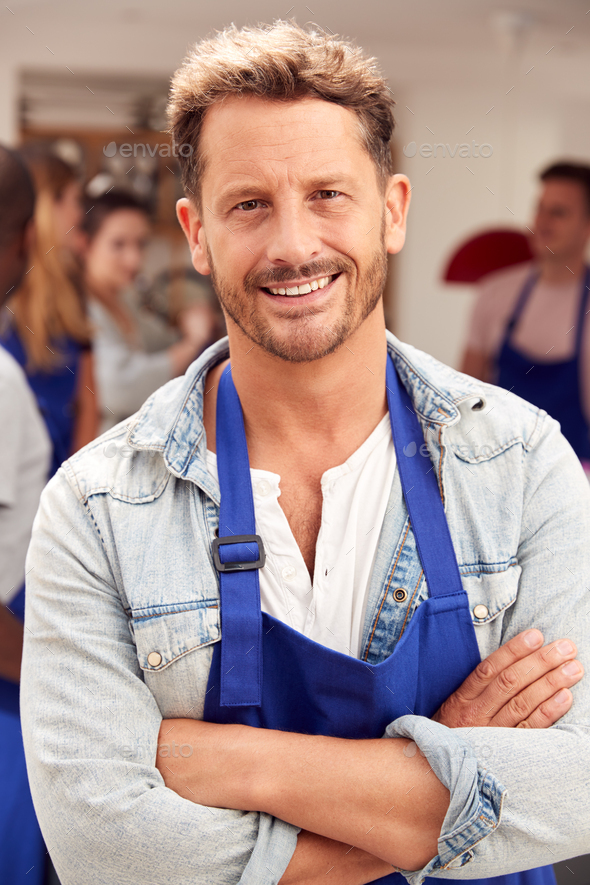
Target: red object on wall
[[486, 252]]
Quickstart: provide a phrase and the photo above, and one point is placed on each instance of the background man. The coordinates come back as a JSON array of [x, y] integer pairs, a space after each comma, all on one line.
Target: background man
[[24, 462], [528, 330], [292, 207]]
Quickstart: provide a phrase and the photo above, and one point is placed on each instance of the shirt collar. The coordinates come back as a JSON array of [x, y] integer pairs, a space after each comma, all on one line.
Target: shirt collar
[[171, 420]]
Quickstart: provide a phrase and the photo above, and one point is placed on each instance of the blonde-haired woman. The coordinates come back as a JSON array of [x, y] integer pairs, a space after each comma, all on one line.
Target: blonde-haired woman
[[45, 325]]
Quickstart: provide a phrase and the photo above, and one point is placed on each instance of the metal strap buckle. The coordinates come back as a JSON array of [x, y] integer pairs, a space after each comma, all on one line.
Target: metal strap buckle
[[238, 566]]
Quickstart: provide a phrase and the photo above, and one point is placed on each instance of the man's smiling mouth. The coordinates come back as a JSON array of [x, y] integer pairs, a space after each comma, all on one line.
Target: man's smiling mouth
[[302, 289]]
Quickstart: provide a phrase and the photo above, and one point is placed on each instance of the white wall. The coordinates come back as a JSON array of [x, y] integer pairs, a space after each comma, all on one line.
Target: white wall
[[544, 117], [446, 68], [454, 197]]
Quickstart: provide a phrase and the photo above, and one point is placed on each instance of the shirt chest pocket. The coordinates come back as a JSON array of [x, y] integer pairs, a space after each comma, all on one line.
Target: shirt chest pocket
[[174, 650], [162, 638], [491, 595]]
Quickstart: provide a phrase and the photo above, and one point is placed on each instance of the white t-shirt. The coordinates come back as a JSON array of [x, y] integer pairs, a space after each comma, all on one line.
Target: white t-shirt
[[25, 451], [355, 496]]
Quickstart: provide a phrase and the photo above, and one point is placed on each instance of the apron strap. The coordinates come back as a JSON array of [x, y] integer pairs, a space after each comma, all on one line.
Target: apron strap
[[582, 311], [525, 292], [421, 493], [238, 554]]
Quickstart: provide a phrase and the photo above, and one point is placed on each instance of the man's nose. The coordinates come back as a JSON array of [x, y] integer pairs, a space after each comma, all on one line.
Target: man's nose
[[292, 236]]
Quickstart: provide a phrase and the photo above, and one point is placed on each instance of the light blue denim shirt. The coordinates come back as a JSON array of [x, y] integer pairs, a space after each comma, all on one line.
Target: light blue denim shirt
[[120, 566]]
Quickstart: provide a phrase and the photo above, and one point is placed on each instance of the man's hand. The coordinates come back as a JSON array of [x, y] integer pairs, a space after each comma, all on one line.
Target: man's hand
[[520, 685]]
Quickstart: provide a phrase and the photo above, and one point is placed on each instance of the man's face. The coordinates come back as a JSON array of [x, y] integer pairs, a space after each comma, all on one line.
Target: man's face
[[562, 220], [293, 223]]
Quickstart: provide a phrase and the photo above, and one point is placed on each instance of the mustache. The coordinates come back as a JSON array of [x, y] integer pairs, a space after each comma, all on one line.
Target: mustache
[[311, 270]]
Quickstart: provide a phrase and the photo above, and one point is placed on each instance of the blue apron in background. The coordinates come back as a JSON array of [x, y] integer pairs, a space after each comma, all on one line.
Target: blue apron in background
[[553, 386], [55, 392], [22, 850], [266, 674]]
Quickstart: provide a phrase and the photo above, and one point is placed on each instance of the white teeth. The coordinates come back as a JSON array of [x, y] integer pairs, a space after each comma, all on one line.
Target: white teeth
[[304, 289]]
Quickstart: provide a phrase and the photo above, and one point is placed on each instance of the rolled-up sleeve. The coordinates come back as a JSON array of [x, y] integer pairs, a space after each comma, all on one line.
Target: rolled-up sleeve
[[107, 817], [519, 797]]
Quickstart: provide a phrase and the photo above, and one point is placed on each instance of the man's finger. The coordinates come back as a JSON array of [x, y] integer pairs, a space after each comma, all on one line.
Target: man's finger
[[489, 669], [550, 711], [518, 676], [539, 696]]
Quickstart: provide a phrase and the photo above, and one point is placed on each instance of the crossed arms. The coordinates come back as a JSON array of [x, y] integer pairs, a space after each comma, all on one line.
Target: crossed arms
[[91, 717], [380, 796]]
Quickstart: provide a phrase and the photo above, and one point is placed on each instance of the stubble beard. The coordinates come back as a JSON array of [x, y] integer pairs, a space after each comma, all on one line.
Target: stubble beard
[[307, 338]]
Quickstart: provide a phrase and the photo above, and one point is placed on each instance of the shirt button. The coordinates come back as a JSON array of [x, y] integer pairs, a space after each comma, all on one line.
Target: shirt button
[[289, 573], [154, 659], [400, 594], [481, 612], [263, 488]]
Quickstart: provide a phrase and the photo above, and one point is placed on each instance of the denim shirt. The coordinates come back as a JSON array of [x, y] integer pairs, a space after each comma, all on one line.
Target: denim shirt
[[120, 566]]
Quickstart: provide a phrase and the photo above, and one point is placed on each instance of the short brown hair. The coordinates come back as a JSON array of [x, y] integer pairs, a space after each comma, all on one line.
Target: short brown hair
[[282, 63], [567, 171]]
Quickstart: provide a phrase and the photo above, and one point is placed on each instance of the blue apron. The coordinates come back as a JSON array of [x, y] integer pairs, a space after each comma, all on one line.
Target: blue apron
[[55, 392], [303, 686], [553, 386], [22, 850]]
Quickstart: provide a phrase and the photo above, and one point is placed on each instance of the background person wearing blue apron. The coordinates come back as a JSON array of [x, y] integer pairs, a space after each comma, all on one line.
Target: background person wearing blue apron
[[24, 461], [529, 330], [307, 549]]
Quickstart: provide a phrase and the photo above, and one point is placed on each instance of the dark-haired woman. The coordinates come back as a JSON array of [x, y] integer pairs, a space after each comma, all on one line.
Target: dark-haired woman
[[117, 228]]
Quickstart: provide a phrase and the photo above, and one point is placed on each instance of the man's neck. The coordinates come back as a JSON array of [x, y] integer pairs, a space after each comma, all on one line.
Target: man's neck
[[323, 409], [563, 270]]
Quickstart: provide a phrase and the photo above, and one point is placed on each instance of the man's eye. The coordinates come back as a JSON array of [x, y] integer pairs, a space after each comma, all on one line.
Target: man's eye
[[248, 205], [328, 195]]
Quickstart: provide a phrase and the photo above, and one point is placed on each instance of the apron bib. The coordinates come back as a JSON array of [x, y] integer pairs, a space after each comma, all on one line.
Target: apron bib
[[267, 675], [553, 386]]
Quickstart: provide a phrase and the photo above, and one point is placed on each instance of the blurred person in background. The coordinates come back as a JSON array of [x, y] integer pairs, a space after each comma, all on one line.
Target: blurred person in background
[[118, 229], [528, 330], [46, 328], [24, 460]]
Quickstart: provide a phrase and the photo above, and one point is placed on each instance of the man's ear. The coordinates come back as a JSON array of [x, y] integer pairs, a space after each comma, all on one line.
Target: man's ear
[[191, 223], [397, 203]]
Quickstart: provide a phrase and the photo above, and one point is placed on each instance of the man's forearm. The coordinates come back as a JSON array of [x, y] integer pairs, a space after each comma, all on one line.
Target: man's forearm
[[364, 793], [315, 857]]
